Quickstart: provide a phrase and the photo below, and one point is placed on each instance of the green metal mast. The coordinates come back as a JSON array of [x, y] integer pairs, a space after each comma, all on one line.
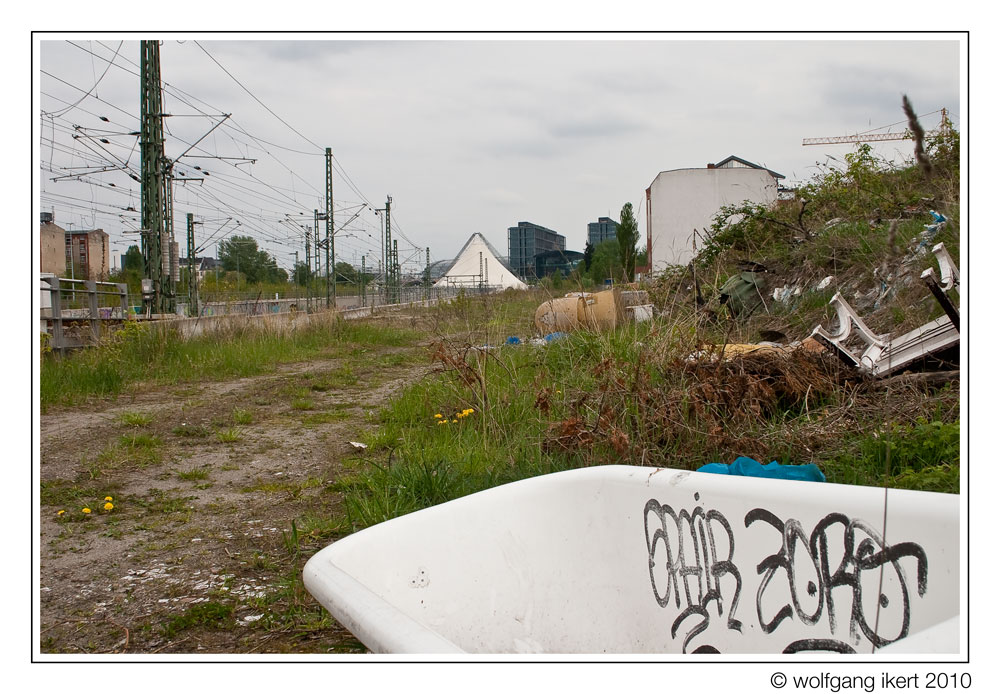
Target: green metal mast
[[151, 148], [388, 251], [395, 271], [329, 229], [192, 275], [157, 206]]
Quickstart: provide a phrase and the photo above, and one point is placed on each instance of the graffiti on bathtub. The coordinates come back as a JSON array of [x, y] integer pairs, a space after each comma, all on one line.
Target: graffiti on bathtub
[[837, 577], [691, 566]]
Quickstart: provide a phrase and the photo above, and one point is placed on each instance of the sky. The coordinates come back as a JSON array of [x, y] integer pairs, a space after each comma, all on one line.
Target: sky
[[470, 134]]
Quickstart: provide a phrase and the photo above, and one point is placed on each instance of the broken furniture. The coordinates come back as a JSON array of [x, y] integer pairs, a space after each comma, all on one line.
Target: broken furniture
[[885, 355]]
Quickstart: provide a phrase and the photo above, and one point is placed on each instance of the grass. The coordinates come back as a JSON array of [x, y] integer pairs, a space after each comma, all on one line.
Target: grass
[[194, 475], [135, 419], [71, 495], [143, 353], [230, 435], [205, 615], [634, 395], [129, 451], [242, 417]]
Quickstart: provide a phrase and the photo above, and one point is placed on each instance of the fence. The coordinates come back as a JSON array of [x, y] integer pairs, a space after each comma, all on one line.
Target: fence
[[255, 304], [74, 312]]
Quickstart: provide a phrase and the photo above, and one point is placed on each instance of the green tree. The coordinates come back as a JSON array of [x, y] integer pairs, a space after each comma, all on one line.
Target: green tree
[[606, 262], [627, 237], [132, 260], [588, 255], [241, 254], [345, 272], [301, 274]]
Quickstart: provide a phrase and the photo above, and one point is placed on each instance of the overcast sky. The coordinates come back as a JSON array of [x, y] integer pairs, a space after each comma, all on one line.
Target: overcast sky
[[468, 135]]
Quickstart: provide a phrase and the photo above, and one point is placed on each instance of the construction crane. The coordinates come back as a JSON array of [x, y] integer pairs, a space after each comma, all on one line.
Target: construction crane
[[869, 136]]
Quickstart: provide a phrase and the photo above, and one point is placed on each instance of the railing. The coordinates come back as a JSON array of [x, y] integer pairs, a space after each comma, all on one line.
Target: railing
[[257, 303], [67, 305]]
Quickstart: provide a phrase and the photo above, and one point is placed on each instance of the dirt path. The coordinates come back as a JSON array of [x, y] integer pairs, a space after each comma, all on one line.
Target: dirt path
[[198, 553]]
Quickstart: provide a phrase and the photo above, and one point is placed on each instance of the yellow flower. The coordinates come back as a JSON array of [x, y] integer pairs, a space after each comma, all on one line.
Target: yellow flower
[[108, 498], [454, 421], [86, 510], [442, 421], [438, 416], [60, 512], [108, 506]]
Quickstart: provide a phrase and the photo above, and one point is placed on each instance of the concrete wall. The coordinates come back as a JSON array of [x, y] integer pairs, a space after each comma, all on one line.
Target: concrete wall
[[283, 321], [683, 200], [53, 249], [98, 251], [98, 255]]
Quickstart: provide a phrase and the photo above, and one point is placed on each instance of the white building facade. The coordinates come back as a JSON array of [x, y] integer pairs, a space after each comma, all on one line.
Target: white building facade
[[680, 205]]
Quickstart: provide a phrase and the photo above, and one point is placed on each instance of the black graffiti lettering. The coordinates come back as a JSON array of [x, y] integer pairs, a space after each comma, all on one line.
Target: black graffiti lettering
[[824, 645], [685, 552], [863, 551]]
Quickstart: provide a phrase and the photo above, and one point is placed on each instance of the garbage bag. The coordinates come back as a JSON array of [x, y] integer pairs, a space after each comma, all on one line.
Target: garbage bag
[[748, 467]]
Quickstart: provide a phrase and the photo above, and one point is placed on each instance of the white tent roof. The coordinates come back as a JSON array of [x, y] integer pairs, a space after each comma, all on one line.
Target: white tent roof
[[465, 271]]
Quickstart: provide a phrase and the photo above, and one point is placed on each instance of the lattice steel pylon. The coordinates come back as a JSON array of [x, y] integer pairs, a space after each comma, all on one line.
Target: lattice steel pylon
[[157, 208]]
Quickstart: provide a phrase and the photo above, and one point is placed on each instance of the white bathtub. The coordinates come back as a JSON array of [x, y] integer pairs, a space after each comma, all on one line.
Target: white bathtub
[[621, 559]]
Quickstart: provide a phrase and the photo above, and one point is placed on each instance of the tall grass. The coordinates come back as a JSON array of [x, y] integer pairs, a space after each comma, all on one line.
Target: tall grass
[[145, 353]]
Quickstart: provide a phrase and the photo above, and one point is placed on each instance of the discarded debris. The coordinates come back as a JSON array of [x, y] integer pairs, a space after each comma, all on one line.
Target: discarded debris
[[741, 293], [886, 355], [729, 351], [748, 467], [358, 446]]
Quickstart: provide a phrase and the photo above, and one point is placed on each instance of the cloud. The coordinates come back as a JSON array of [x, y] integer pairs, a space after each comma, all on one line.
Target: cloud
[[599, 125]]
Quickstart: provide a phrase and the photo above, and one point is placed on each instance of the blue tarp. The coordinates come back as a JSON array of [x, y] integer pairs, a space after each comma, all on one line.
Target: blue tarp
[[748, 467]]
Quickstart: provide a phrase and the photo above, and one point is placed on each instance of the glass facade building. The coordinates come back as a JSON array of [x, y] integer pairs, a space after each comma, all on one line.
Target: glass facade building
[[527, 240], [604, 229]]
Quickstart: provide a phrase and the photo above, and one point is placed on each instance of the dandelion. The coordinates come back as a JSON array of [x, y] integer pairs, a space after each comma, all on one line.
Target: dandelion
[[60, 512], [442, 421], [438, 416], [108, 498], [108, 506], [86, 510], [454, 421]]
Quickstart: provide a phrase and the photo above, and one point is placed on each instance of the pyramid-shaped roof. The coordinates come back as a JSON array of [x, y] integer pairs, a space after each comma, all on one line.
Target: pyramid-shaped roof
[[465, 271]]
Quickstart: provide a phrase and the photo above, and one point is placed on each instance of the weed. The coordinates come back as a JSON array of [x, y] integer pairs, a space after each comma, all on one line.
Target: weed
[[208, 615], [303, 404], [135, 419], [230, 435], [199, 473], [69, 495], [242, 417], [129, 451]]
